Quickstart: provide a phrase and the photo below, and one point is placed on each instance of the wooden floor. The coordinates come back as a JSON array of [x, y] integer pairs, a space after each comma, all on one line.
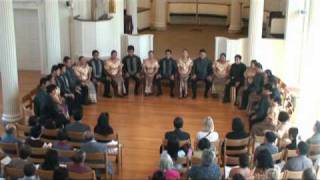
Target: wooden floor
[[142, 121]]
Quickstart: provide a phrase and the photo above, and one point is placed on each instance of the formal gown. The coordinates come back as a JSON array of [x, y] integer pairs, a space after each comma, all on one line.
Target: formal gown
[[114, 69], [184, 69], [221, 72], [150, 68], [83, 73]]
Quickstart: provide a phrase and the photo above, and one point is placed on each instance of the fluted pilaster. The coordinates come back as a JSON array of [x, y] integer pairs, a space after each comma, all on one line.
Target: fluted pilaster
[[160, 14], [132, 9], [235, 17]]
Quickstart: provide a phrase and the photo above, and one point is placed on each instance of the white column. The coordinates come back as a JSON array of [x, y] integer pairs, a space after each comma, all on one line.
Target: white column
[[255, 29], [118, 21], [235, 17], [132, 10], [52, 33], [9, 70], [160, 14]]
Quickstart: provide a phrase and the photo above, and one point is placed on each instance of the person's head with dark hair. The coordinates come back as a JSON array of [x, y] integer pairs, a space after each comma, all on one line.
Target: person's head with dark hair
[[51, 160], [67, 61], [51, 89], [223, 56], [95, 54], [253, 63], [35, 132], [203, 144], [55, 70], [237, 59], [309, 174], [79, 157], [88, 136], [77, 115], [82, 61], [185, 53], [9, 129], [316, 127], [267, 89], [103, 125], [114, 54], [202, 53], [24, 152], [264, 160], [244, 161], [130, 50], [62, 135], [168, 53], [237, 125], [158, 175], [50, 79], [61, 173], [283, 116], [151, 54], [303, 148], [29, 170], [173, 148], [293, 134], [43, 83], [207, 157], [178, 123], [62, 68], [238, 177], [270, 137]]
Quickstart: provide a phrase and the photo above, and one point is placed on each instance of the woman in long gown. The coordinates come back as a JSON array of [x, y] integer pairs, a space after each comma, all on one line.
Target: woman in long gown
[[184, 64], [83, 72], [113, 67], [221, 70], [150, 68]]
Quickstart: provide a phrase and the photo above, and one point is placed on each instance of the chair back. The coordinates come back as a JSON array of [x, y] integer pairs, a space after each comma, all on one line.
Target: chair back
[[66, 153], [290, 153], [109, 137], [231, 161], [82, 176], [278, 156], [45, 174], [37, 155], [22, 130], [76, 139], [49, 133], [181, 143], [10, 172], [10, 148], [98, 161], [236, 143], [292, 174]]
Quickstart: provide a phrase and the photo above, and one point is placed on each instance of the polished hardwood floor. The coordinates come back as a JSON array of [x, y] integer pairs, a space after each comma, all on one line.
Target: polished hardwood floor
[[142, 121]]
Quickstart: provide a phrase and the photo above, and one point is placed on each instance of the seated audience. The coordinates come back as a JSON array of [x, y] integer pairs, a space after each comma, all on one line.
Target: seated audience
[[29, 172], [238, 177], [51, 160], [34, 139], [24, 154], [103, 126], [175, 152], [91, 145], [33, 121], [293, 136], [301, 162], [207, 170], [273, 174], [203, 144], [158, 175], [78, 163], [167, 167], [61, 173], [238, 132], [208, 131], [8, 136], [315, 138], [263, 162], [309, 174], [62, 143], [269, 143], [77, 125], [283, 125], [243, 167], [177, 134]]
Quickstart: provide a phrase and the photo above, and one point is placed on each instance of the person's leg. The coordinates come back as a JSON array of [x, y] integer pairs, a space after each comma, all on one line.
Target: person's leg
[[137, 85], [245, 99], [126, 84], [84, 94], [158, 84], [185, 84], [207, 87], [181, 87], [106, 82], [194, 88], [171, 85], [227, 89]]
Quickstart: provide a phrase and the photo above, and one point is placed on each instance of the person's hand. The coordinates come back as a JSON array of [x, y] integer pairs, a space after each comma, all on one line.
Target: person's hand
[[172, 77], [158, 76], [209, 78], [193, 77], [237, 84]]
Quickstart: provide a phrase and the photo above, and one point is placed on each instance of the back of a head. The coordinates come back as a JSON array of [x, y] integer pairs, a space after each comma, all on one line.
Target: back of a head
[[264, 159], [270, 136], [238, 177], [283, 116], [207, 157], [204, 143], [51, 158], [61, 173], [293, 132], [208, 124], [33, 120], [62, 135], [309, 174], [24, 151], [10, 129], [173, 148], [303, 148], [237, 125], [103, 120], [35, 131], [178, 123], [166, 162], [244, 161], [78, 157], [29, 170], [158, 175], [77, 115]]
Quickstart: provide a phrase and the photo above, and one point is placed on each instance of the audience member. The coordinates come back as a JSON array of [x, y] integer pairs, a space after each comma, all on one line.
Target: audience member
[[78, 163], [238, 132], [283, 126], [167, 167], [34, 139], [62, 143], [207, 170], [8, 136], [158, 175], [273, 174], [103, 126], [301, 162], [243, 167], [249, 86], [263, 162], [177, 134], [269, 143], [77, 125], [208, 131], [24, 154], [29, 172], [51, 160], [238, 177], [293, 136], [203, 144], [92, 146], [315, 139], [61, 173], [33, 121], [309, 174]]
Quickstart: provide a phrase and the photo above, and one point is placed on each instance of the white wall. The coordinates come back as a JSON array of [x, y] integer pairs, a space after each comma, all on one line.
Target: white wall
[[65, 15]]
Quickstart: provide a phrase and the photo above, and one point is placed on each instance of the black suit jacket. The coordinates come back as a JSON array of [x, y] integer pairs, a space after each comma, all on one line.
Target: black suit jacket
[[177, 135]]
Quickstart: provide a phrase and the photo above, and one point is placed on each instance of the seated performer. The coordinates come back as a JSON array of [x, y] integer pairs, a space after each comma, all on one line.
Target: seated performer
[[201, 71], [131, 69], [221, 70], [150, 69], [236, 77], [113, 68], [98, 74], [83, 71], [184, 65], [167, 71]]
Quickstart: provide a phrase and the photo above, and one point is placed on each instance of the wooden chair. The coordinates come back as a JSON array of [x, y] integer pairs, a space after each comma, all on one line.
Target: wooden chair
[[99, 161], [292, 175], [10, 148], [181, 143], [66, 153], [49, 135], [76, 139], [37, 155], [82, 176], [118, 146], [289, 154], [45, 174], [217, 150], [235, 143], [10, 172], [22, 130], [278, 156], [314, 152]]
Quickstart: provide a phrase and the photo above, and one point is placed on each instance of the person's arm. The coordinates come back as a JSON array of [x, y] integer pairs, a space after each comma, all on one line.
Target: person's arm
[[193, 69], [174, 67], [139, 67]]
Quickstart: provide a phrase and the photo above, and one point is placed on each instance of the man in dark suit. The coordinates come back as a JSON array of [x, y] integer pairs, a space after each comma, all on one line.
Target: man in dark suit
[[77, 126], [128, 25], [41, 97], [177, 134]]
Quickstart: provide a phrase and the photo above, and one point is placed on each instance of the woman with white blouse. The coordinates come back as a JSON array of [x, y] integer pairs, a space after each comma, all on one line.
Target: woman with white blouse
[[208, 131]]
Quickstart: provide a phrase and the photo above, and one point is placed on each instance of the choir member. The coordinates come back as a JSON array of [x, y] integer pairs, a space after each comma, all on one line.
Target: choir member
[[221, 70], [184, 65], [150, 68]]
